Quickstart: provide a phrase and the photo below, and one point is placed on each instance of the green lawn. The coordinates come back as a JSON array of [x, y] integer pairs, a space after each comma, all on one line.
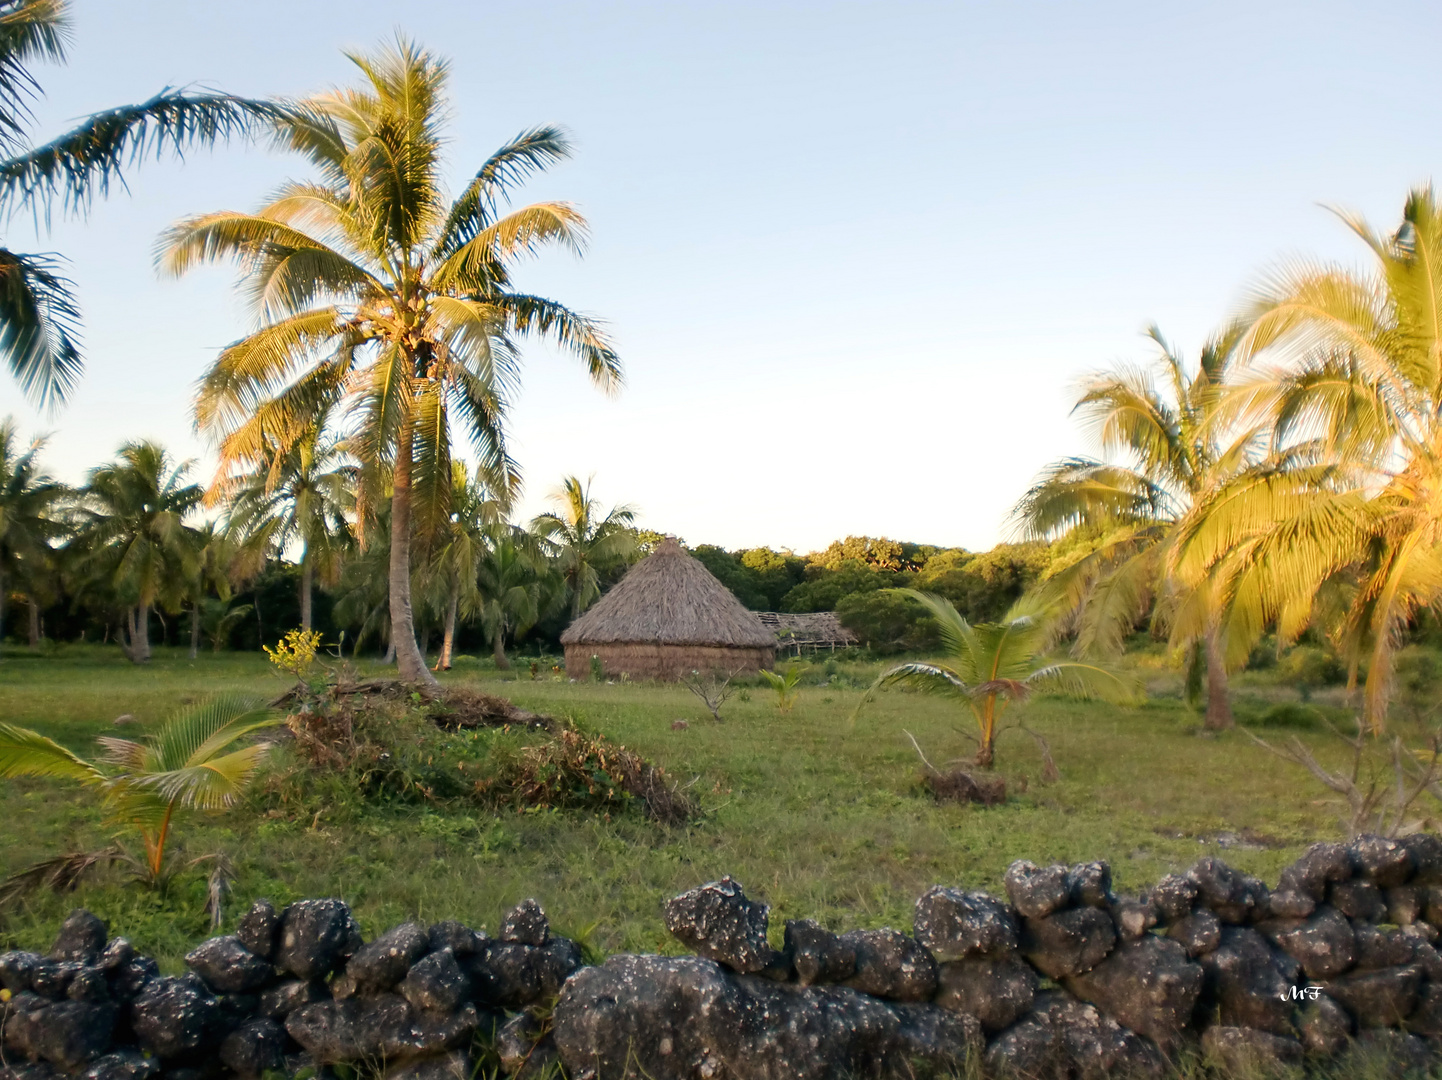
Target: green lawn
[[814, 815]]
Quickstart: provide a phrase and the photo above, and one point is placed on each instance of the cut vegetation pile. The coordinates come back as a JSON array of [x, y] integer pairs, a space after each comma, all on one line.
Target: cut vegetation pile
[[383, 742]]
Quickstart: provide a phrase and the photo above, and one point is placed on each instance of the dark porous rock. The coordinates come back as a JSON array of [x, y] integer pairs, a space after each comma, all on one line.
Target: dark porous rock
[[51, 978], [435, 982], [1249, 1052], [331, 1031], [1090, 884], [1424, 953], [718, 922], [132, 977], [254, 1048], [1395, 1051], [228, 967], [937, 1039], [1404, 904], [682, 1018], [1325, 1027], [1148, 985], [1198, 933], [996, 992], [27, 1070], [1432, 905], [1426, 1019], [1320, 866], [526, 924], [126, 1064], [67, 1034], [505, 975], [1426, 852], [175, 1017], [1134, 917], [279, 1001], [1174, 897], [1291, 904], [515, 1041], [81, 938], [89, 984], [15, 1019], [818, 955], [1358, 899], [1063, 1038], [1243, 981], [1325, 944], [117, 953], [457, 1065], [16, 969], [315, 938], [1382, 998], [1377, 948], [458, 937], [891, 965], [385, 961], [383, 1026], [1068, 942], [954, 925], [1385, 863], [258, 928], [1234, 898], [1037, 891]]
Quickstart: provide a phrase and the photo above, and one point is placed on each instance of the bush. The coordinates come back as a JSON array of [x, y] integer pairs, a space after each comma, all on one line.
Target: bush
[[1308, 667], [1292, 714], [1417, 676], [887, 622]]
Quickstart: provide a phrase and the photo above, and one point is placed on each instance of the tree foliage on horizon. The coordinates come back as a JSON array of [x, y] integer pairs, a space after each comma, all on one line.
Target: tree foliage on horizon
[[383, 298]]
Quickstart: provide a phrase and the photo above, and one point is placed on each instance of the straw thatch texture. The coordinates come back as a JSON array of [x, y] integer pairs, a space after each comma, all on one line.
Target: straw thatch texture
[[666, 618], [807, 632]]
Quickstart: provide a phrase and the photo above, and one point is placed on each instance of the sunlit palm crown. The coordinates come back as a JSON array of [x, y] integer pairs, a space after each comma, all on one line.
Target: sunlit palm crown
[[1349, 507], [132, 523], [376, 291], [581, 539], [1167, 451]]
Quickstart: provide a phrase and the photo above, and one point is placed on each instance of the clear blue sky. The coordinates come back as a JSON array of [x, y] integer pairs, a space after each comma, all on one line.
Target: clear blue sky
[[855, 255]]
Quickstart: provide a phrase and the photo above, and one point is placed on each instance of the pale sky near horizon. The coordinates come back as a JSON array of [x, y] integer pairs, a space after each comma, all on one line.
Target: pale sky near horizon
[[855, 255]]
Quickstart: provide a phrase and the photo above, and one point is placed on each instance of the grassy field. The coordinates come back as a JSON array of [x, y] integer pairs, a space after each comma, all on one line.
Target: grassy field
[[815, 815]]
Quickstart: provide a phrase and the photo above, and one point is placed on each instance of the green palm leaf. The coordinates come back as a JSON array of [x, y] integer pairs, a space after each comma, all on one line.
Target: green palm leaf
[[28, 753]]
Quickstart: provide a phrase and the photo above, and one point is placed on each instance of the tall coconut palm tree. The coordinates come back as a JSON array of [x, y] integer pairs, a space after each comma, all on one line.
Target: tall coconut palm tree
[[39, 315], [1352, 493], [510, 579], [1173, 453], [582, 541], [30, 516], [450, 572], [300, 492], [132, 536], [379, 295], [992, 666]]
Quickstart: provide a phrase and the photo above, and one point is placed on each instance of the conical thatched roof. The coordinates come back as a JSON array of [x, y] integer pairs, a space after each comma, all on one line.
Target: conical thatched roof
[[668, 598]]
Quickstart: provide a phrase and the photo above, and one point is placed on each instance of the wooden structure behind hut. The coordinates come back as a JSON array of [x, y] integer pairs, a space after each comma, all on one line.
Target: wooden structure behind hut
[[809, 632], [665, 619]]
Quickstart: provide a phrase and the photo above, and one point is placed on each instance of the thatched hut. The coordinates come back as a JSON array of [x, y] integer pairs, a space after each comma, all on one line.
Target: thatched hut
[[665, 619]]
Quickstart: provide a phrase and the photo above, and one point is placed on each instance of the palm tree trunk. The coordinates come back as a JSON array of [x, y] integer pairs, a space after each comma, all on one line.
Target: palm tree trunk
[[409, 660], [390, 654], [143, 632], [135, 634], [34, 622], [307, 580], [3, 587], [503, 663], [194, 629], [1219, 705], [448, 641]]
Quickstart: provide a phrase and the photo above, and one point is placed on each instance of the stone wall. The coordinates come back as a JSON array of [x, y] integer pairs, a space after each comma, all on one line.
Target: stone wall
[[1062, 979]]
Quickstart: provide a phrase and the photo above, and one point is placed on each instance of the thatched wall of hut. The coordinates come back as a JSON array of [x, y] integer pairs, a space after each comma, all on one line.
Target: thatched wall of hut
[[665, 619], [666, 662]]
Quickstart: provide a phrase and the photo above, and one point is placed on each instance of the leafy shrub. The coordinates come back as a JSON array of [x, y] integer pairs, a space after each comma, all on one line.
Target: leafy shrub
[[1308, 667], [1417, 677], [888, 622], [1292, 714]]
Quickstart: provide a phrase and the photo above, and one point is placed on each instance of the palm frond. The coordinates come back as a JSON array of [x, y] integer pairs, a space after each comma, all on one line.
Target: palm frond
[[28, 753], [39, 326]]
